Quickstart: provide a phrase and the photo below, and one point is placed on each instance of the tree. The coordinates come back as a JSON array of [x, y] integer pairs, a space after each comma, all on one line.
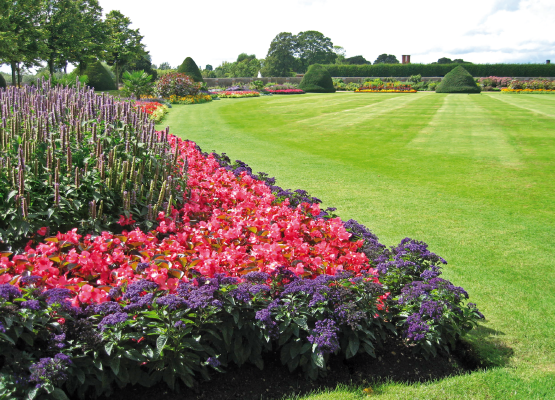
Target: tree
[[245, 57], [386, 59], [91, 35], [312, 47], [165, 65], [144, 64], [123, 43], [445, 60], [340, 53], [357, 60], [247, 67], [280, 60], [209, 67], [21, 37]]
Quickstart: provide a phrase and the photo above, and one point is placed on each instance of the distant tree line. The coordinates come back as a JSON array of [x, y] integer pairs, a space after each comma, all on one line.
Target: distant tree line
[[60, 32]]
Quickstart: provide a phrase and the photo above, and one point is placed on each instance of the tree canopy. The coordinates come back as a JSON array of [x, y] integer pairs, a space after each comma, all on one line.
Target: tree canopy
[[280, 60], [386, 59], [312, 47]]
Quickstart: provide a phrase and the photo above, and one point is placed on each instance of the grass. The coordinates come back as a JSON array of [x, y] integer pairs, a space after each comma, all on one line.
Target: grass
[[471, 175]]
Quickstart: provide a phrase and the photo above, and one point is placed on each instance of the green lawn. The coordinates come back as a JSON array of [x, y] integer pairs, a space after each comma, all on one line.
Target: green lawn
[[471, 175]]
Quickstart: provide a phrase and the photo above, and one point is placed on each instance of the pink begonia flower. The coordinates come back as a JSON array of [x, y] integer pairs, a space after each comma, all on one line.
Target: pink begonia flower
[[42, 231]]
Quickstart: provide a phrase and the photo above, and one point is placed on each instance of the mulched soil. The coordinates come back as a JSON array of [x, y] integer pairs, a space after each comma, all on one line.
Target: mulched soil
[[397, 363]]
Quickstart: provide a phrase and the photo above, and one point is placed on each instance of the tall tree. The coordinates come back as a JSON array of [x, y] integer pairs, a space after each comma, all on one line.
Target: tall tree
[[386, 59], [123, 44], [280, 60], [60, 21], [312, 47], [92, 35], [21, 37]]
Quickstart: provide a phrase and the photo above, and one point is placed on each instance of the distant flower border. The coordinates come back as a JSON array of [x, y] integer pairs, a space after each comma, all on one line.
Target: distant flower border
[[235, 94]]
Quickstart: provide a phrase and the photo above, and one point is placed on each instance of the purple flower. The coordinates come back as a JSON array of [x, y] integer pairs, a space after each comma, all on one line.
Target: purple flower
[[2, 329], [416, 329], [265, 316], [31, 305], [108, 307], [431, 273], [30, 279], [473, 307], [432, 309], [213, 362], [179, 325], [50, 370], [112, 319], [257, 277], [347, 313], [57, 295], [138, 288], [141, 267], [324, 335], [172, 302], [9, 292]]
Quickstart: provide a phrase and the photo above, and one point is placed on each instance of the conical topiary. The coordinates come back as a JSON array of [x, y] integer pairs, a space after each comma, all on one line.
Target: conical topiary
[[317, 80], [99, 77], [2, 82], [458, 81], [190, 68]]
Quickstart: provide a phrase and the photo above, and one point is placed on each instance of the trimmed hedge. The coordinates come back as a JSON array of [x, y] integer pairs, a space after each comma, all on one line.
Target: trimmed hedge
[[317, 80], [99, 77], [427, 70], [458, 81], [190, 68], [3, 83]]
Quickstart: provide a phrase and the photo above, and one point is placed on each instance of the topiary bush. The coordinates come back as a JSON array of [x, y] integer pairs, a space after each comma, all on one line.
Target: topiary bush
[[2, 82], [99, 77], [458, 81], [317, 80], [190, 68]]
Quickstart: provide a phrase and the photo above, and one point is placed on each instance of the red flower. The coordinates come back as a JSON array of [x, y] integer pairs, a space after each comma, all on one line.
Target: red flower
[[42, 231], [61, 321]]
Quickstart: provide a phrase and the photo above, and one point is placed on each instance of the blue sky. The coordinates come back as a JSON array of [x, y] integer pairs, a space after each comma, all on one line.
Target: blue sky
[[480, 31]]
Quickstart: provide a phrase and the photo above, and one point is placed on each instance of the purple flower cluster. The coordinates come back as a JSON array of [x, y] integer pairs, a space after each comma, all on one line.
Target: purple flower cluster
[[112, 319], [410, 257], [432, 309], [416, 328], [172, 302], [348, 313], [50, 370], [139, 294], [57, 295], [324, 335], [31, 305], [57, 341], [202, 295], [29, 280], [2, 328], [108, 307], [213, 362], [9, 292], [421, 290]]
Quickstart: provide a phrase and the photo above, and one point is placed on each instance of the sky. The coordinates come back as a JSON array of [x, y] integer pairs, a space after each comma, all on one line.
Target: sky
[[479, 31]]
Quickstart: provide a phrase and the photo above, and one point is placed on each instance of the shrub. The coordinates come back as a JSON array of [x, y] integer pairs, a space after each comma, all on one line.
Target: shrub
[[95, 166], [176, 84], [458, 81], [189, 67], [137, 84], [317, 80], [99, 77], [3, 83]]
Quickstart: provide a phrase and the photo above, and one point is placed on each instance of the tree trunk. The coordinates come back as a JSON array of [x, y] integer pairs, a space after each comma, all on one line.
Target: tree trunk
[[51, 66], [18, 75], [14, 69], [117, 76]]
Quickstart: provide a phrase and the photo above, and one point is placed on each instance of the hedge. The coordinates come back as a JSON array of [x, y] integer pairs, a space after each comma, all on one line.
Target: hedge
[[427, 70]]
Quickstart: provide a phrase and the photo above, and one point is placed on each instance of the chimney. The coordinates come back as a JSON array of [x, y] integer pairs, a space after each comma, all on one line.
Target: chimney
[[548, 61], [406, 59]]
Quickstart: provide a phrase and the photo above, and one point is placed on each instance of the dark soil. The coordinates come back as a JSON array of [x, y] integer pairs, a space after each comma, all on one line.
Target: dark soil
[[397, 363]]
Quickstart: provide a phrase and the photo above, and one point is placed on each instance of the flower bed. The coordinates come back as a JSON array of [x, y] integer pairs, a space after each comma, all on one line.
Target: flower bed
[[386, 89], [235, 94], [286, 91], [155, 110], [509, 90], [190, 99], [240, 267]]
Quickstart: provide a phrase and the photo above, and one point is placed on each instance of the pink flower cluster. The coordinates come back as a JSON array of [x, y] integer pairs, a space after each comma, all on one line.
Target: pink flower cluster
[[231, 225]]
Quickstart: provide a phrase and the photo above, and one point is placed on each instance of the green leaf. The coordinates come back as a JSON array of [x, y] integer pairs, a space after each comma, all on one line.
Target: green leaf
[[59, 394], [318, 359], [161, 342], [108, 347], [133, 354], [114, 364], [32, 393], [352, 349], [28, 338], [7, 338], [80, 375]]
